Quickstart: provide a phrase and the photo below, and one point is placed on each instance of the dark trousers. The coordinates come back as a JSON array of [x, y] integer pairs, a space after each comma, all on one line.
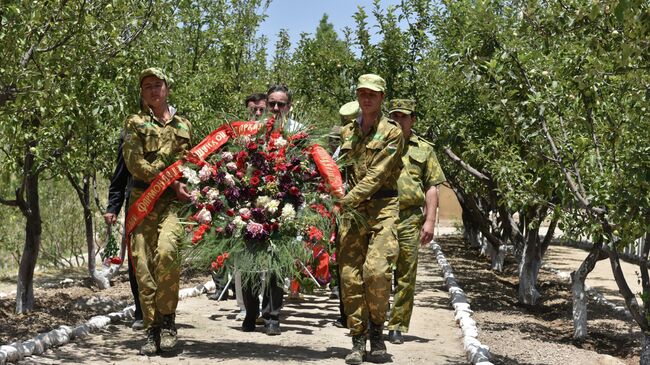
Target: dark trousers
[[271, 301], [134, 290]]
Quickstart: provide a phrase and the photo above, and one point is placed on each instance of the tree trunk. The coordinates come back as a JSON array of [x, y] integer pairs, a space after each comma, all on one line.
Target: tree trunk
[[470, 232], [645, 349], [578, 278], [529, 268], [33, 229], [88, 222]]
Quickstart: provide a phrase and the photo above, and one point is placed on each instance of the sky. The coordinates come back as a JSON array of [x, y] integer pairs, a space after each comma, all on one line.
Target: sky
[[298, 16]]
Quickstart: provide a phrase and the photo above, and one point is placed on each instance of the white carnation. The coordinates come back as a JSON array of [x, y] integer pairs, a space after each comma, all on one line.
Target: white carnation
[[203, 216], [213, 195], [288, 212], [238, 222], [190, 175], [229, 180], [195, 195], [272, 206], [262, 201], [280, 142]]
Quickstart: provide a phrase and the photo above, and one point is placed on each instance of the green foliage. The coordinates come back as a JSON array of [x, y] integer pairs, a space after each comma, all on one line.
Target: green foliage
[[486, 74]]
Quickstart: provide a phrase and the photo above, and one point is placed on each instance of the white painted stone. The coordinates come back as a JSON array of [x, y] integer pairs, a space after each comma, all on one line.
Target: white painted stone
[[29, 347], [11, 352]]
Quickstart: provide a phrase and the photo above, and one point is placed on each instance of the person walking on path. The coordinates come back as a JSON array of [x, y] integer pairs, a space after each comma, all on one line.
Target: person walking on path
[[278, 102], [371, 153], [418, 188], [154, 138], [118, 192]]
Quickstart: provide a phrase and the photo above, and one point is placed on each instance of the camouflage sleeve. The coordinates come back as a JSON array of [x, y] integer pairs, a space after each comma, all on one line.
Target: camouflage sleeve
[[383, 162], [433, 175], [133, 151]]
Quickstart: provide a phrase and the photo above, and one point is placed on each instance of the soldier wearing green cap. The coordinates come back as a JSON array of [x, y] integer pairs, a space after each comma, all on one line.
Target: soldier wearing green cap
[[153, 138], [349, 112], [417, 187], [371, 153]]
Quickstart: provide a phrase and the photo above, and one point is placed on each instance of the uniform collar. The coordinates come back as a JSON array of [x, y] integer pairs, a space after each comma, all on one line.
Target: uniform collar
[[172, 114], [413, 139], [374, 127]]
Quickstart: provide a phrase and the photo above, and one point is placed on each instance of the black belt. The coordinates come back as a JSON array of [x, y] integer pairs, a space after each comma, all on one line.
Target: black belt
[[139, 184], [384, 194]]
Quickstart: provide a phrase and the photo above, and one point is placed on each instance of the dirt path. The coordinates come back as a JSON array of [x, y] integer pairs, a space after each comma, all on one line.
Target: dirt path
[[568, 259], [208, 332]]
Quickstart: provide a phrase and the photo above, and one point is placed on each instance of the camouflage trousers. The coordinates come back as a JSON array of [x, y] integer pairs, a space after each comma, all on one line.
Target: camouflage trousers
[[368, 249], [408, 234], [156, 259]]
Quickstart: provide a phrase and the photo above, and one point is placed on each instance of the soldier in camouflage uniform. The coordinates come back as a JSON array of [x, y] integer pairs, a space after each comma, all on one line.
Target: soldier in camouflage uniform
[[417, 187], [371, 153], [153, 138]]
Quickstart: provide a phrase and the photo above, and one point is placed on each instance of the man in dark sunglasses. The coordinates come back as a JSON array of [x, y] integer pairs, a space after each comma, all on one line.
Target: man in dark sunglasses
[[278, 102]]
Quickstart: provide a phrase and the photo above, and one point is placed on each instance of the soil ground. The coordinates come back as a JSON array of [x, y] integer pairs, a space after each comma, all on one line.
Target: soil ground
[[209, 331]]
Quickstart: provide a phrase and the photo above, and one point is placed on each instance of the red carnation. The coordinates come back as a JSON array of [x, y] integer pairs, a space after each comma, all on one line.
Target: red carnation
[[294, 191], [198, 234], [252, 146], [315, 234], [230, 212], [269, 178], [245, 216], [257, 173], [255, 181], [220, 260]]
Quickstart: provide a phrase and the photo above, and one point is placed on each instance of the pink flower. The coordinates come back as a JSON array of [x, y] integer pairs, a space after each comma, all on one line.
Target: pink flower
[[255, 229], [203, 216], [205, 173]]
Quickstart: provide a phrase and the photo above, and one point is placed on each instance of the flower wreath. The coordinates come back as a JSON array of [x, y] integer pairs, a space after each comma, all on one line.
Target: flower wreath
[[262, 203]]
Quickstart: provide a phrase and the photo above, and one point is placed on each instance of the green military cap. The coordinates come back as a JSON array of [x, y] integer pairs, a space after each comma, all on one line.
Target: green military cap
[[350, 110], [372, 82], [155, 71], [406, 106]]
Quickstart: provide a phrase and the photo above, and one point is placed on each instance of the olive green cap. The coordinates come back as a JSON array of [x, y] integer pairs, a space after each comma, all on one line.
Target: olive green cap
[[350, 110], [155, 71], [406, 106], [372, 82]]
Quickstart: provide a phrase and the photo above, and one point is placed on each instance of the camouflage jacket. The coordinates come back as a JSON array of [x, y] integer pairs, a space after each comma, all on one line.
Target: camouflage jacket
[[421, 171], [370, 162], [149, 145]]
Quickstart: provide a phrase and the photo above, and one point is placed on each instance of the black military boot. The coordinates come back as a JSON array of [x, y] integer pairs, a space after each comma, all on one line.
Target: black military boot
[[377, 345], [152, 344], [395, 336], [168, 337], [358, 352]]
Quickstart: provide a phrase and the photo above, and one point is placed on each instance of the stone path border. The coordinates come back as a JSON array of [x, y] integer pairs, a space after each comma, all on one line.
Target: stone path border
[[18, 350], [477, 353]]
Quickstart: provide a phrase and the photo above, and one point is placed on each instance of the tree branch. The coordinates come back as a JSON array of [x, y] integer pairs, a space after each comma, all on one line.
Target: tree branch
[[582, 200], [474, 172]]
